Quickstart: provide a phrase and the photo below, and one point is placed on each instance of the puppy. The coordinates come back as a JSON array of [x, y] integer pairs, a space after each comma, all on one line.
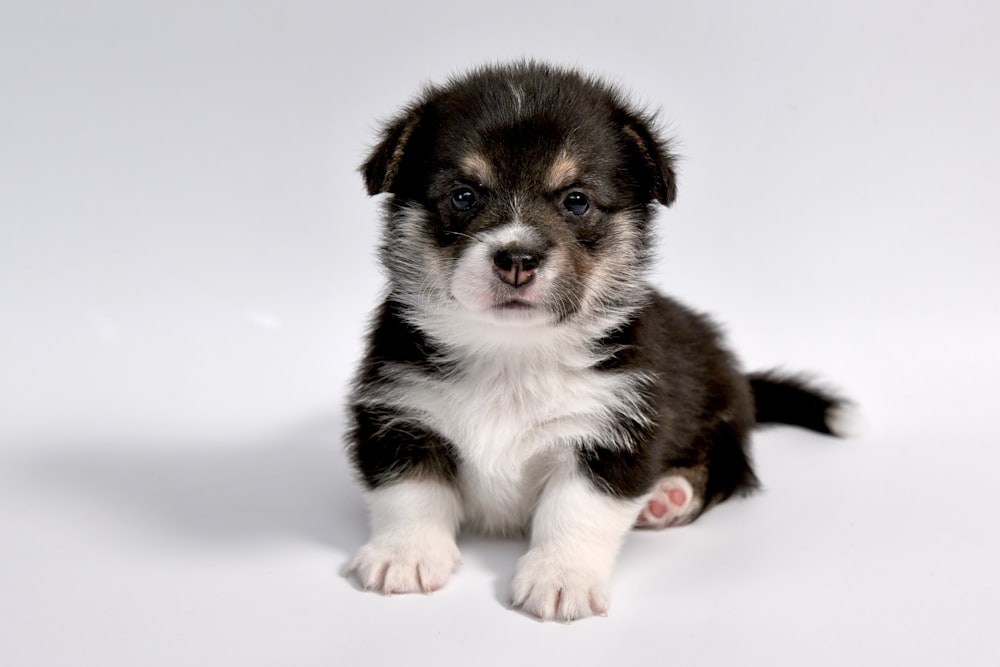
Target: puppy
[[521, 375]]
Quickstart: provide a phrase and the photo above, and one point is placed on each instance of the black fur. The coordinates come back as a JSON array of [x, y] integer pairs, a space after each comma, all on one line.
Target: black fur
[[781, 398], [701, 403], [393, 445]]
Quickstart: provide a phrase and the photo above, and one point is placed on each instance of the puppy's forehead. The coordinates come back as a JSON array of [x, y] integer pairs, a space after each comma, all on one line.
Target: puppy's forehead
[[553, 172], [530, 130], [532, 153]]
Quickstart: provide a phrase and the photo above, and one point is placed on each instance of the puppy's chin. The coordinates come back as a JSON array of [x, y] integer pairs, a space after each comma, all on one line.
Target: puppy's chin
[[519, 313], [511, 312]]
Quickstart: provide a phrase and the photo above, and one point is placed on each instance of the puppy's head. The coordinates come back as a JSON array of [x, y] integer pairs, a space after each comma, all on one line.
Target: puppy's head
[[520, 195]]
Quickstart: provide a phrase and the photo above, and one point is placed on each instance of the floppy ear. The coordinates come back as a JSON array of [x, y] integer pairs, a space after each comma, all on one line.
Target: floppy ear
[[381, 169], [652, 158]]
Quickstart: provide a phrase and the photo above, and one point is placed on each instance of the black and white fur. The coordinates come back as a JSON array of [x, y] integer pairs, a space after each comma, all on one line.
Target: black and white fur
[[522, 376]]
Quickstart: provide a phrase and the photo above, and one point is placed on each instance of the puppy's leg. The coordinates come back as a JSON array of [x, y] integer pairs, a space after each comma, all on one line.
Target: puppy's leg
[[412, 548], [677, 499], [683, 493], [576, 533]]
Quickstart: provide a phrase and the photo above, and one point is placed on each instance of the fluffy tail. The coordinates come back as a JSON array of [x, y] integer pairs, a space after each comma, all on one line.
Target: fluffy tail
[[789, 399]]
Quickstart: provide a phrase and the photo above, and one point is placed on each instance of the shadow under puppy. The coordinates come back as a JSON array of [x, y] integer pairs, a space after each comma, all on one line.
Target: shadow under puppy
[[521, 375]]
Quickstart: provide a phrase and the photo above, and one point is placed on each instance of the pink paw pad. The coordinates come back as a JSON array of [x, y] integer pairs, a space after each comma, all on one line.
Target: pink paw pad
[[672, 503]]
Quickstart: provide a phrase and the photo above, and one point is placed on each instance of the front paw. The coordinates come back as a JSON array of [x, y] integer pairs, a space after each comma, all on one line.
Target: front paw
[[557, 587], [405, 565]]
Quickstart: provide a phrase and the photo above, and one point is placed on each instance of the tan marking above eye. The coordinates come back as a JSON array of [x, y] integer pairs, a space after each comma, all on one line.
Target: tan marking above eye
[[477, 168], [563, 173]]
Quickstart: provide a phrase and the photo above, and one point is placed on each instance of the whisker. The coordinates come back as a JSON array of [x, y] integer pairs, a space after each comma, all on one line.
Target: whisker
[[462, 234]]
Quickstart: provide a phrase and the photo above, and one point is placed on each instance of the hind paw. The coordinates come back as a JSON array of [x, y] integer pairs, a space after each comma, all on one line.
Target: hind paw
[[673, 503]]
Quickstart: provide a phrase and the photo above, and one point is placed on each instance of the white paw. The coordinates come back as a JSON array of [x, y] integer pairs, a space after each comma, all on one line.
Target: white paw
[[419, 564], [552, 587], [673, 503]]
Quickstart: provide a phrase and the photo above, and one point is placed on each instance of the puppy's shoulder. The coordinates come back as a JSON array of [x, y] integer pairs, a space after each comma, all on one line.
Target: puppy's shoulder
[[393, 340], [663, 321], [667, 318]]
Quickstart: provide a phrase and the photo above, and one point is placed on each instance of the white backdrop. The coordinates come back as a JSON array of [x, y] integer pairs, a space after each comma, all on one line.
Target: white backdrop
[[186, 267]]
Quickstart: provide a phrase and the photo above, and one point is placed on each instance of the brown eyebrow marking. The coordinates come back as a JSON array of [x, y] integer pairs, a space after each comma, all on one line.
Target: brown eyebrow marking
[[479, 169], [563, 173]]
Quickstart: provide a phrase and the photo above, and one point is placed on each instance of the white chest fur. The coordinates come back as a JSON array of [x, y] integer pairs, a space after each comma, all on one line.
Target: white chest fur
[[512, 417]]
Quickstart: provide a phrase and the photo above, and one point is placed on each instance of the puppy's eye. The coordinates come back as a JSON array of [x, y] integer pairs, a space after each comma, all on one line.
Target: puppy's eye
[[463, 199], [577, 203]]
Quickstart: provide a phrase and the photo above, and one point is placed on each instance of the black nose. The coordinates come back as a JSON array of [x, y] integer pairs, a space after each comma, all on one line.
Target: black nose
[[516, 267]]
